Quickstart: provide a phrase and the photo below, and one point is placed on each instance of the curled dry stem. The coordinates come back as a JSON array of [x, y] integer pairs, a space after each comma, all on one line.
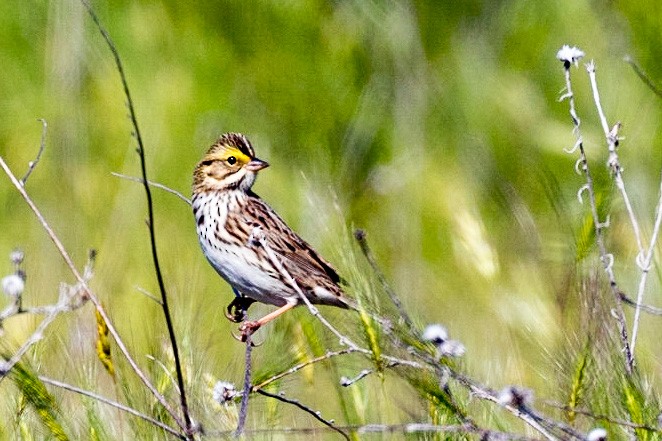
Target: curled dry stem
[[599, 226]]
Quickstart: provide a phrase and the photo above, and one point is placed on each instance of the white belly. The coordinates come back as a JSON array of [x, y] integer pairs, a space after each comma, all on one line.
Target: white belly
[[239, 265]]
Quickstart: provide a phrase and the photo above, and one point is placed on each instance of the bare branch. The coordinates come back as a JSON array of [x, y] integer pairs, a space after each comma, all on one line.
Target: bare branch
[[153, 184], [42, 145], [148, 294], [69, 299], [597, 224], [600, 417], [406, 428], [257, 235], [88, 292], [300, 366], [646, 308], [642, 75], [150, 211], [112, 403], [315, 414], [360, 236], [243, 410]]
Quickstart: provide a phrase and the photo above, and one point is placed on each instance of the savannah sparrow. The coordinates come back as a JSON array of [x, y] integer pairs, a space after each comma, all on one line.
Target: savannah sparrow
[[227, 212]]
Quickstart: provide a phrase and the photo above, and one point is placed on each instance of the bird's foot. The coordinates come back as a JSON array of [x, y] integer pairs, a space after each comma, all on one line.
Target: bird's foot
[[237, 310], [247, 329]]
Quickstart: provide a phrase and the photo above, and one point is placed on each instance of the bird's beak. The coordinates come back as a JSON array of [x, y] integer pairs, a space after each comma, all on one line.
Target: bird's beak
[[256, 164]]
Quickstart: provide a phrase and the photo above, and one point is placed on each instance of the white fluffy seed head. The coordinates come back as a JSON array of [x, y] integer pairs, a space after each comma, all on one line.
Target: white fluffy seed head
[[435, 333], [598, 434], [570, 55], [452, 348], [223, 392], [13, 285], [16, 257], [515, 396]]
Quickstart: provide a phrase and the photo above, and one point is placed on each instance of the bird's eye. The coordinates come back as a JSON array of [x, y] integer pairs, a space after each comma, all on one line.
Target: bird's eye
[[232, 160]]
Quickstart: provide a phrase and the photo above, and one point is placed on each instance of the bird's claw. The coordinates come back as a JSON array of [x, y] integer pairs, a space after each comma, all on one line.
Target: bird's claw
[[237, 310], [247, 330]]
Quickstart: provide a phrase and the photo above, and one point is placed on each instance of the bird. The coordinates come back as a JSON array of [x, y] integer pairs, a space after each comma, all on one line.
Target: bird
[[249, 245]]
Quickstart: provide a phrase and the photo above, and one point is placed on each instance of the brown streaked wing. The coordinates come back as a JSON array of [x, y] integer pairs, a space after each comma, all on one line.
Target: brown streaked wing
[[299, 257]]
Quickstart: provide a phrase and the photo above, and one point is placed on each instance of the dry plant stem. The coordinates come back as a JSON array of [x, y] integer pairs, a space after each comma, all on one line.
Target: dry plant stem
[[605, 258], [645, 308], [258, 236], [432, 428], [112, 403], [150, 210], [612, 142], [406, 428], [42, 145], [643, 258], [243, 410], [13, 310], [360, 236], [485, 393], [646, 264], [524, 416], [347, 382], [36, 336], [68, 300], [153, 184], [327, 356], [149, 295], [642, 75], [298, 367], [307, 409], [598, 417], [79, 278]]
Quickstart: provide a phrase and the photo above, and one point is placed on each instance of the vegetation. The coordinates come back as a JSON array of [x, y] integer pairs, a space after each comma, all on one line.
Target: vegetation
[[435, 128]]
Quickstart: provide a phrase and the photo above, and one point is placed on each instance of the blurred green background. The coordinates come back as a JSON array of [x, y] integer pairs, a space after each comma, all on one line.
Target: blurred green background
[[435, 126]]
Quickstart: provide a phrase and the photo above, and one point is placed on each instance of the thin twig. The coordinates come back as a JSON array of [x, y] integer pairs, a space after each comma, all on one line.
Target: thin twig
[[646, 263], [36, 336], [594, 416], [258, 236], [346, 382], [524, 416], [642, 75], [148, 294], [305, 408], [87, 291], [243, 410], [611, 135], [646, 308], [486, 393], [150, 211], [42, 145], [406, 428], [300, 366], [153, 184], [605, 258], [360, 236], [110, 402]]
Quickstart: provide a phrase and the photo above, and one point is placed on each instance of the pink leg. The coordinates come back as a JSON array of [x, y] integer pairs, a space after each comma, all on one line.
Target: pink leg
[[248, 328]]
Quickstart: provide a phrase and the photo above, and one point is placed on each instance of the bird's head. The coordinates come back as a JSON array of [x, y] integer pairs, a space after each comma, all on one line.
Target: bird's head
[[230, 164]]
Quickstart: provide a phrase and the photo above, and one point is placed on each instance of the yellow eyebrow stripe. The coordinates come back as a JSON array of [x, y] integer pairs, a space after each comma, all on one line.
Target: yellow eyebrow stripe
[[232, 151]]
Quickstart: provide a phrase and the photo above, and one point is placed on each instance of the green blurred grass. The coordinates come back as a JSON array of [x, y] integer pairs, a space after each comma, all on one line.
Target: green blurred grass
[[434, 127]]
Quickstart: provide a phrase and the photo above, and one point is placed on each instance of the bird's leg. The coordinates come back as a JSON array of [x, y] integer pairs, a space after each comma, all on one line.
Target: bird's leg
[[238, 307], [248, 328]]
